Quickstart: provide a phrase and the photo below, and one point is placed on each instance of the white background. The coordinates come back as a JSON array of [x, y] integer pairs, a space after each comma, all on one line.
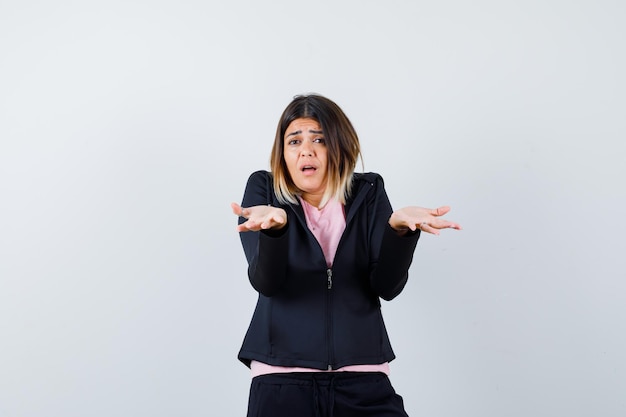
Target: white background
[[127, 128]]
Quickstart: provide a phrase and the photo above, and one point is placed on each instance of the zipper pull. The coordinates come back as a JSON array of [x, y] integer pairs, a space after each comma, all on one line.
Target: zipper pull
[[329, 272]]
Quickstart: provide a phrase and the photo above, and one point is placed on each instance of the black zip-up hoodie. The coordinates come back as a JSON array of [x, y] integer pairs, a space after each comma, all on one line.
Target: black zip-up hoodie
[[309, 315]]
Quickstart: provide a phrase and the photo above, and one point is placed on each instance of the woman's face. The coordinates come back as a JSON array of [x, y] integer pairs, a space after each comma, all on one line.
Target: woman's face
[[306, 157]]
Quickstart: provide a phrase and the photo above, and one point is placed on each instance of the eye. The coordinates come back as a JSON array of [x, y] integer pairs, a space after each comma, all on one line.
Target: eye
[[319, 140], [293, 142]]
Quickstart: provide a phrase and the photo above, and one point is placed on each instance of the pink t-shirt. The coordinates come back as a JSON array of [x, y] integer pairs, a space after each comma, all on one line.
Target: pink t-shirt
[[327, 225]]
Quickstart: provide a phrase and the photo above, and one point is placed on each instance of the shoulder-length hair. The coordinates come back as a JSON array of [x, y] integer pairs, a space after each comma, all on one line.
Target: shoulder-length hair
[[341, 141]]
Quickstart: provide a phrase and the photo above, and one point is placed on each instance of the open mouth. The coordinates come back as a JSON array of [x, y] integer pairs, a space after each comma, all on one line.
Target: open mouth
[[308, 168]]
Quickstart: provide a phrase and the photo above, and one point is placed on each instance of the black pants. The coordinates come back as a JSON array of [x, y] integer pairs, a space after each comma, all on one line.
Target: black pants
[[340, 394]]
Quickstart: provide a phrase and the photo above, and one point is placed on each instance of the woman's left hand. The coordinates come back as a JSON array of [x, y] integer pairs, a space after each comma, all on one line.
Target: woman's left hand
[[425, 219]]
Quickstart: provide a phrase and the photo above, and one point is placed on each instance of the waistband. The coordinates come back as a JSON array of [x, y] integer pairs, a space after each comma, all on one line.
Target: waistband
[[323, 385], [325, 378]]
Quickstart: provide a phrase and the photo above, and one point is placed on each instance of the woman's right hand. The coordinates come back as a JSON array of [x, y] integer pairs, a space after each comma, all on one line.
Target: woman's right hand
[[259, 217]]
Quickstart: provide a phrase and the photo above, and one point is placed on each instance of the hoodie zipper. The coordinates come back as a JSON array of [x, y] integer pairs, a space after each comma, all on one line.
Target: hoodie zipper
[[329, 317], [329, 286]]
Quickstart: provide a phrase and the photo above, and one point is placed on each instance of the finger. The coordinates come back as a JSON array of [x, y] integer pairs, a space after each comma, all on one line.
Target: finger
[[251, 226], [425, 227], [267, 223], [447, 225], [238, 210], [272, 221], [440, 224], [455, 226], [440, 211], [242, 228]]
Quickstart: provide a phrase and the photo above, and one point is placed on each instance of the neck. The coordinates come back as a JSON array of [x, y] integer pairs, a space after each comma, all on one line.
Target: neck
[[313, 199]]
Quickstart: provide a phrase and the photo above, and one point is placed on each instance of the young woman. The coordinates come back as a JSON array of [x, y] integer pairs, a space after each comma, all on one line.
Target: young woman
[[323, 246]]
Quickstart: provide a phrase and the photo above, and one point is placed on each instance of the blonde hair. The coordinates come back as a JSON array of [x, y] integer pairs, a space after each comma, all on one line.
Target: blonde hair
[[341, 141]]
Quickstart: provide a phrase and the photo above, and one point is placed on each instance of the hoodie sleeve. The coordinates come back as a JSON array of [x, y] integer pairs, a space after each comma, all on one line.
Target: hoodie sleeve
[[266, 251], [391, 254]]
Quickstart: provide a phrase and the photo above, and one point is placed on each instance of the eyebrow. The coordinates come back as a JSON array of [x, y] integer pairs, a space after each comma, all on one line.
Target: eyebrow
[[298, 132]]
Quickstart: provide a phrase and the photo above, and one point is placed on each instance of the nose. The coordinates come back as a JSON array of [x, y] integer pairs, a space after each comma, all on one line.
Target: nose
[[306, 149]]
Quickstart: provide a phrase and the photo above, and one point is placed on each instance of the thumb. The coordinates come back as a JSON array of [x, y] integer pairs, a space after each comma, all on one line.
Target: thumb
[[440, 211]]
